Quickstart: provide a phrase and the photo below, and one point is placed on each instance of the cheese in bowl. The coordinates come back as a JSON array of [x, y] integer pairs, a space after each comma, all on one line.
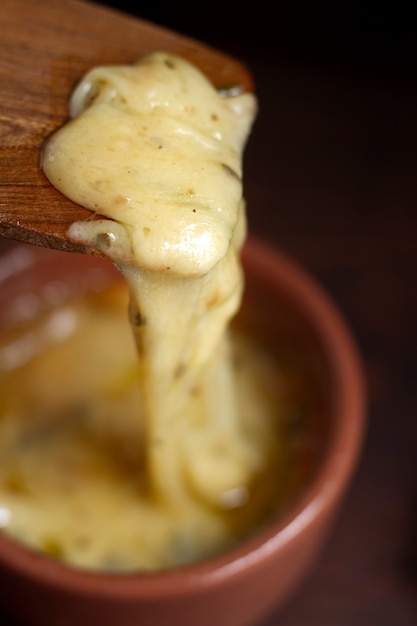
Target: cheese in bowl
[[138, 431]]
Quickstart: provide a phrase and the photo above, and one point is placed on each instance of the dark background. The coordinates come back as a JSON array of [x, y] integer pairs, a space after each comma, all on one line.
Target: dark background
[[330, 178], [374, 36]]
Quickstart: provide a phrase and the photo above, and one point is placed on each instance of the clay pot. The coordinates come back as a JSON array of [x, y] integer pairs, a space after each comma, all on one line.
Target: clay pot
[[290, 311]]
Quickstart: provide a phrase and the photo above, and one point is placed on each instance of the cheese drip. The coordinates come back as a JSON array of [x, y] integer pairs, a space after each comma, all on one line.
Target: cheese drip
[[155, 152]]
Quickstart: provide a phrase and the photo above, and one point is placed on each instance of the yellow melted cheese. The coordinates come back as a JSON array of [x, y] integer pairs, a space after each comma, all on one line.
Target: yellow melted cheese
[[157, 149], [73, 475], [155, 152]]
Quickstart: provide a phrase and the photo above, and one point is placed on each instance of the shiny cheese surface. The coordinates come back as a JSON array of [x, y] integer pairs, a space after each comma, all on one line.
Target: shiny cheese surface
[[156, 148]]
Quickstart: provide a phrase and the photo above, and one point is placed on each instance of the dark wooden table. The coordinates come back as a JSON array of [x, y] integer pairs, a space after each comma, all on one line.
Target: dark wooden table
[[331, 179]]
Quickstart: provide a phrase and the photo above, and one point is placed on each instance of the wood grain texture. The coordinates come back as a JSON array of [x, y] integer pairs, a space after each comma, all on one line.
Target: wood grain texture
[[45, 48]]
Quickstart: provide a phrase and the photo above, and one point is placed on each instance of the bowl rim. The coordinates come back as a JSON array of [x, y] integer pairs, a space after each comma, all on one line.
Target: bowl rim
[[331, 479]]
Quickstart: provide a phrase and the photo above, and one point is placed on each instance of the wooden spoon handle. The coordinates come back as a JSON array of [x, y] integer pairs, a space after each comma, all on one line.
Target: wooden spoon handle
[[45, 48]]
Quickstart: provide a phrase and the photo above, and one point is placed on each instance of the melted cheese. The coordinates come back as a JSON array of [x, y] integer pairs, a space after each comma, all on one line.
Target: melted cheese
[[73, 476], [155, 148], [155, 152]]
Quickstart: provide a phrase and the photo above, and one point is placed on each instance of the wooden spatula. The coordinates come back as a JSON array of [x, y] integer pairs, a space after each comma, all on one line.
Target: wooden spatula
[[45, 48]]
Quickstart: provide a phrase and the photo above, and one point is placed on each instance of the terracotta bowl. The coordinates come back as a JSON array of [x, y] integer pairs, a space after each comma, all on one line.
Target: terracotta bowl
[[288, 310]]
